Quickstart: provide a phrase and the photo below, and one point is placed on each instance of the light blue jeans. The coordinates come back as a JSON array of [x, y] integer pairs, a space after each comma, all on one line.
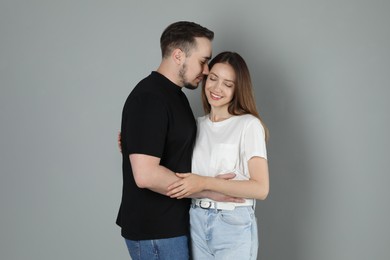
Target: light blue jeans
[[159, 249], [223, 234]]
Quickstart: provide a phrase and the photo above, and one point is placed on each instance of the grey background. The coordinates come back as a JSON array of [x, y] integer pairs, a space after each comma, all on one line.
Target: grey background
[[321, 76]]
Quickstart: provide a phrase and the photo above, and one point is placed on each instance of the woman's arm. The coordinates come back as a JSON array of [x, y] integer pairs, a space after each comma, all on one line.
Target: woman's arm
[[256, 187]]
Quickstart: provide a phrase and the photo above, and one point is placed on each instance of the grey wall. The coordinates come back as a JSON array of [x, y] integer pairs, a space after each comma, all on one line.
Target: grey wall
[[321, 73]]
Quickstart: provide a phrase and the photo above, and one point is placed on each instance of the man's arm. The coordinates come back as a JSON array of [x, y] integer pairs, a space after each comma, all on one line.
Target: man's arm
[[149, 174]]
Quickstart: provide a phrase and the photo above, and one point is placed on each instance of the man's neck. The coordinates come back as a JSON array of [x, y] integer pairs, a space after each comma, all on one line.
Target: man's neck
[[170, 73]]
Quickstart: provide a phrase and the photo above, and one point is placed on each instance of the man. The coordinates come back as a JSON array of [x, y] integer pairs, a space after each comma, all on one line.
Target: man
[[157, 137]]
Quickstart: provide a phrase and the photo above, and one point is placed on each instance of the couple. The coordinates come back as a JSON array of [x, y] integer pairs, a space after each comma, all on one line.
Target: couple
[[172, 182]]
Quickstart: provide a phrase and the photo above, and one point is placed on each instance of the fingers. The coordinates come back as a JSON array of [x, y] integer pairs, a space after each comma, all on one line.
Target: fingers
[[173, 192], [177, 193], [178, 190], [237, 200], [120, 141], [174, 186], [232, 199]]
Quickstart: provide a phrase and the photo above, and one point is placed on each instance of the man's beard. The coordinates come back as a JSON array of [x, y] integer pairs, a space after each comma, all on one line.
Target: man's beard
[[183, 79]]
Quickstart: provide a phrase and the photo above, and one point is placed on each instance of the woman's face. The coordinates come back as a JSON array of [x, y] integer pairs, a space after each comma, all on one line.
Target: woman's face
[[220, 84]]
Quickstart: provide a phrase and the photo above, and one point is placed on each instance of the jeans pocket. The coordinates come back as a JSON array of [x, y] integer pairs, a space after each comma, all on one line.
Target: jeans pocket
[[240, 216]]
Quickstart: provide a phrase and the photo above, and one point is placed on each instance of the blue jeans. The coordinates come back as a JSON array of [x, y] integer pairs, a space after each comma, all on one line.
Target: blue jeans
[[159, 249], [223, 234]]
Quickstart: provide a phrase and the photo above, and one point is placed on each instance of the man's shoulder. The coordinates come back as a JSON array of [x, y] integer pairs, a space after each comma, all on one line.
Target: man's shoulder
[[147, 88], [144, 85]]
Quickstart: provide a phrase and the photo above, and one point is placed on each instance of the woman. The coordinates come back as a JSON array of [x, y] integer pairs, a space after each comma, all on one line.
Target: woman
[[231, 139]]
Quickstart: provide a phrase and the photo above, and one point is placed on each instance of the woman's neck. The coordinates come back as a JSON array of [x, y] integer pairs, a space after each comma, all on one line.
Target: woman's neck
[[218, 115]]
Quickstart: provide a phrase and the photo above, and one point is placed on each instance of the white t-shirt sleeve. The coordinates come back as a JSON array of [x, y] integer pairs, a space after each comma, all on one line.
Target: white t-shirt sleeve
[[254, 140]]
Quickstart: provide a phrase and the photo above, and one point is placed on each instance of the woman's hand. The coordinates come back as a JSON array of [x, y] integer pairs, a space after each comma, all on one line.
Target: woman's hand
[[188, 185], [192, 183]]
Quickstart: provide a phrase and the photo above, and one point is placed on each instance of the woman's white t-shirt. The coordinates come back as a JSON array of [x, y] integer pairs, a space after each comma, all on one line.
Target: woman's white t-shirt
[[227, 146]]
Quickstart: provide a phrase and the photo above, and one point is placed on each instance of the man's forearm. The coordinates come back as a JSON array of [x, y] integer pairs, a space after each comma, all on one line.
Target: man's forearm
[[149, 174], [158, 180]]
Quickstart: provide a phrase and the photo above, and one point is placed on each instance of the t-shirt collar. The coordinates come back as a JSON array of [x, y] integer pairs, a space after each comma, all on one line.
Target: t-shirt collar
[[169, 84]]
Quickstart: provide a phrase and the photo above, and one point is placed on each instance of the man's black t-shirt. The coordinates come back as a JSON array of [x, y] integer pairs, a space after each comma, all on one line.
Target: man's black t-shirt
[[157, 120]]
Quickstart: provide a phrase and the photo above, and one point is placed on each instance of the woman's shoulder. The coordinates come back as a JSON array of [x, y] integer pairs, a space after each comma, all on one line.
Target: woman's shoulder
[[249, 121], [247, 118]]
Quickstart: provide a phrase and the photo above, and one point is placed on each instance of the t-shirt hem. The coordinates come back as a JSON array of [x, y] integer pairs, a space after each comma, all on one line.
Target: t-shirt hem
[[152, 236]]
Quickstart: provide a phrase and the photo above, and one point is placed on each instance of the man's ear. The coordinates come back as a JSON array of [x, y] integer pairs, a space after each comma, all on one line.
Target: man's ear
[[178, 56]]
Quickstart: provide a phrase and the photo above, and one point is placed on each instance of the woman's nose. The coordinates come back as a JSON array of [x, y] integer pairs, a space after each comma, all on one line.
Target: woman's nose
[[217, 86]]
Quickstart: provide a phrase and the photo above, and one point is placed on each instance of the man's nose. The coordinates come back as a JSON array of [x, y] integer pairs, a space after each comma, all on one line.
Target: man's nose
[[206, 69]]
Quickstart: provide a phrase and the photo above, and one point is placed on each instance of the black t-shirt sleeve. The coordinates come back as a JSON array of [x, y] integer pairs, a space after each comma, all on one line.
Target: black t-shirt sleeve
[[146, 125]]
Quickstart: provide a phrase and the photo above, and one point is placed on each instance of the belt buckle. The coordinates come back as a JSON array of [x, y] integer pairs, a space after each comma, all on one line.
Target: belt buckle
[[205, 204]]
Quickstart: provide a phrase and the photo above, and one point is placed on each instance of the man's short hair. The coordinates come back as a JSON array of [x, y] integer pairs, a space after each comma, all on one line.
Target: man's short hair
[[181, 35]]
